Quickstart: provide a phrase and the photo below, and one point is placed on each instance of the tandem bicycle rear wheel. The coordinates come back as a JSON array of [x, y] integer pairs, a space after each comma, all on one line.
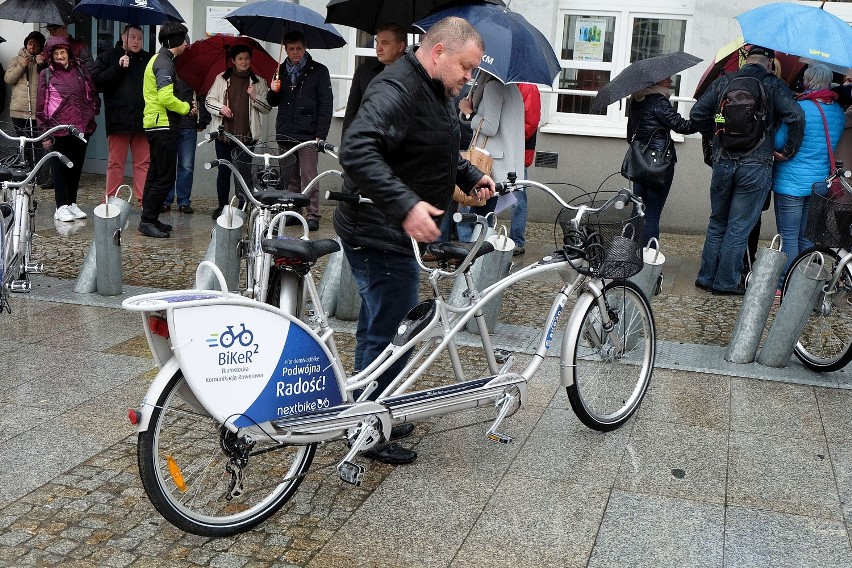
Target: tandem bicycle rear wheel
[[206, 480]]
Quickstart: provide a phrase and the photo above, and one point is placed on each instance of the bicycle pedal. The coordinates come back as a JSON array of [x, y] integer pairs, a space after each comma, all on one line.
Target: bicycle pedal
[[34, 268], [351, 473], [20, 286], [499, 438]]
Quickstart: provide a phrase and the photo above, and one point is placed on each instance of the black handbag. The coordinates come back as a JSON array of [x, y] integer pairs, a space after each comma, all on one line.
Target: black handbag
[[645, 165]]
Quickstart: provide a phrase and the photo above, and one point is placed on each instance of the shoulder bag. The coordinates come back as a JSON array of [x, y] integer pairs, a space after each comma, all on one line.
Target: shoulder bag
[[479, 156], [835, 188], [645, 165]]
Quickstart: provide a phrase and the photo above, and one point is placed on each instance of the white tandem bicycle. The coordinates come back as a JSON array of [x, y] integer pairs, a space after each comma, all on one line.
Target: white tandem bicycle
[[246, 391]]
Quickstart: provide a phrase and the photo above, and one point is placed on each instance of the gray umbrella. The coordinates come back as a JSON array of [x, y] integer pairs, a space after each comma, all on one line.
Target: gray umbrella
[[641, 74], [39, 11]]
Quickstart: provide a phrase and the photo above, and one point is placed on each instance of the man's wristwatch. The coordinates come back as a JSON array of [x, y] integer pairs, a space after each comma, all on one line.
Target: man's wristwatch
[[467, 117]]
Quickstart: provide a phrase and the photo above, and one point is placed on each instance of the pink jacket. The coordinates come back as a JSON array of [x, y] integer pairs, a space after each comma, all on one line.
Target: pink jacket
[[67, 96]]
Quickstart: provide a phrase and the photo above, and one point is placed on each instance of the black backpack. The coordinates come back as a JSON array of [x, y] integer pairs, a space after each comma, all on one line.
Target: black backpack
[[741, 120]]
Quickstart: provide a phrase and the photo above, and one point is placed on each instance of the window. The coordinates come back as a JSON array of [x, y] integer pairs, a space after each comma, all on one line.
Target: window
[[595, 44]]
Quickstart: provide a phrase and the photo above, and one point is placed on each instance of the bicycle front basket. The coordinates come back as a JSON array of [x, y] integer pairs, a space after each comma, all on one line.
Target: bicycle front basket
[[259, 176], [830, 220]]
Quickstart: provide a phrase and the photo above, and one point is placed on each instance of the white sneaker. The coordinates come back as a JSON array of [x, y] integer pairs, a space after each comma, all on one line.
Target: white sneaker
[[63, 214], [76, 211]]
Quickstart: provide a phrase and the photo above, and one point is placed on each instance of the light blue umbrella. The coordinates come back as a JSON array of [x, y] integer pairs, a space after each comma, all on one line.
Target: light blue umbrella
[[806, 31], [515, 51]]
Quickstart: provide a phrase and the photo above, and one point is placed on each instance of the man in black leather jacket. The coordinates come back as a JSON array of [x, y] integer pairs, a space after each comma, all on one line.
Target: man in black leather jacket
[[401, 151], [741, 179]]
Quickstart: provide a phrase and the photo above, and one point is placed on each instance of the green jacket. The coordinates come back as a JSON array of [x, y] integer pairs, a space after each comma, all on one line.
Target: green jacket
[[162, 107]]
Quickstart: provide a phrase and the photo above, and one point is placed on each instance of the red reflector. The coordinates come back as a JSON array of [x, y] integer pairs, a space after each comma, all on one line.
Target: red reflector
[[158, 326], [133, 416]]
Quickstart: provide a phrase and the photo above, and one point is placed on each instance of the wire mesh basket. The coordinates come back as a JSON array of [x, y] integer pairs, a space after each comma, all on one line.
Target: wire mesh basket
[[830, 220], [261, 176], [610, 240]]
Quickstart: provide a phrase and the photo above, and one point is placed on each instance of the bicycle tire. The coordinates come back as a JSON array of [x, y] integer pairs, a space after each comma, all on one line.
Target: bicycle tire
[[285, 292], [607, 386], [825, 344], [181, 429]]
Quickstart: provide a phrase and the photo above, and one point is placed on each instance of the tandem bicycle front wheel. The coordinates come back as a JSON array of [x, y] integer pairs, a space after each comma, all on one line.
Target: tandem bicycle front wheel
[[206, 480], [609, 369]]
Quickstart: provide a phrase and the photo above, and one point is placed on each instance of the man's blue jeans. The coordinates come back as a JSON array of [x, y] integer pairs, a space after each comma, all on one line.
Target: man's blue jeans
[[389, 285], [791, 216], [737, 193], [185, 167]]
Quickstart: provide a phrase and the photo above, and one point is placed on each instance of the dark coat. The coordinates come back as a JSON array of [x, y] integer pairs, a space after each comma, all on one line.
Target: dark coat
[[652, 113], [364, 74], [781, 107], [401, 148], [304, 108], [122, 89]]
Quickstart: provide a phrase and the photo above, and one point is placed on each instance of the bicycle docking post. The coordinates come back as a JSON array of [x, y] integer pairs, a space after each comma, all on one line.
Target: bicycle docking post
[[108, 249], [87, 282], [757, 303], [226, 254], [804, 294]]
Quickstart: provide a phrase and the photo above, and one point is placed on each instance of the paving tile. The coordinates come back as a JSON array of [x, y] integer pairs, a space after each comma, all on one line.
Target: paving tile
[[419, 516], [788, 475], [840, 451], [532, 522], [834, 405], [769, 538], [682, 397], [776, 409], [675, 460], [646, 530], [18, 418], [562, 448]]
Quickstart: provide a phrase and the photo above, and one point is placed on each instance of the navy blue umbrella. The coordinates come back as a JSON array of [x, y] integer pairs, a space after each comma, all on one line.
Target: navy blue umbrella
[[515, 51], [269, 20], [369, 15], [139, 12]]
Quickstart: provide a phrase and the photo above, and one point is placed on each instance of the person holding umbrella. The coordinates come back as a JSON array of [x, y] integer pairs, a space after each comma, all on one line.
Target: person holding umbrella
[[399, 152], [651, 120], [302, 93], [118, 74], [236, 100], [22, 75]]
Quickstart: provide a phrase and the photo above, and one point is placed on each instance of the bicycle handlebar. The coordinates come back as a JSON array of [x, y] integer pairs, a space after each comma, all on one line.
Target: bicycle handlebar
[[73, 130], [320, 145], [37, 167]]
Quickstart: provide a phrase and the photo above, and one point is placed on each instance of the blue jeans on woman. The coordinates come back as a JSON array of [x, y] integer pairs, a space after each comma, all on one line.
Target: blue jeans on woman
[[791, 217], [389, 285], [737, 193], [654, 200]]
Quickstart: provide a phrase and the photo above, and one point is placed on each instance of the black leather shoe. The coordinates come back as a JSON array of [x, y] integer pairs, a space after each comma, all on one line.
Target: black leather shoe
[[165, 208], [186, 209], [703, 287], [165, 227], [313, 225], [151, 230], [217, 212], [401, 431], [740, 291], [393, 454]]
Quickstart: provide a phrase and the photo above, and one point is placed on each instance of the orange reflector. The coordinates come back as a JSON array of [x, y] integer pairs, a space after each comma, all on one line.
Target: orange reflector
[[174, 470], [158, 326]]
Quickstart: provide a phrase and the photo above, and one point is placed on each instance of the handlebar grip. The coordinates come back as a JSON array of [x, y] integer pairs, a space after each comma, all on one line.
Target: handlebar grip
[[465, 217], [68, 163], [622, 198], [342, 196], [74, 131], [212, 164], [503, 187], [324, 146]]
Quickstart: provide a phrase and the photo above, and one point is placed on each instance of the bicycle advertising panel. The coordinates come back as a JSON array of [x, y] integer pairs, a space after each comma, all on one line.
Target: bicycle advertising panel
[[248, 365]]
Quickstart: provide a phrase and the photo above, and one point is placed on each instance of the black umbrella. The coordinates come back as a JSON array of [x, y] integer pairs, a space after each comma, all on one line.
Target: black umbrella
[[641, 74], [39, 11], [368, 15]]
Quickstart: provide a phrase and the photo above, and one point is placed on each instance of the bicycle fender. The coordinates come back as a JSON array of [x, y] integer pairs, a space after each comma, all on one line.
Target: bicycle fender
[[155, 390]]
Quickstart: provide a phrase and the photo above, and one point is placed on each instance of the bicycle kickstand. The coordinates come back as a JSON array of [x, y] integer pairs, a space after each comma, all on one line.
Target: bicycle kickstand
[[367, 437], [508, 404]]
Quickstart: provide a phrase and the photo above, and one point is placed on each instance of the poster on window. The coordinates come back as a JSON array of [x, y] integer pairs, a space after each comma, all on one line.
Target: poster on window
[[216, 22], [589, 39]]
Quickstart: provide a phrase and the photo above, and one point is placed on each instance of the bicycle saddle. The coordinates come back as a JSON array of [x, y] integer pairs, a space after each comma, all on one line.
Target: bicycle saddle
[[13, 173], [457, 251], [308, 251], [276, 197]]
